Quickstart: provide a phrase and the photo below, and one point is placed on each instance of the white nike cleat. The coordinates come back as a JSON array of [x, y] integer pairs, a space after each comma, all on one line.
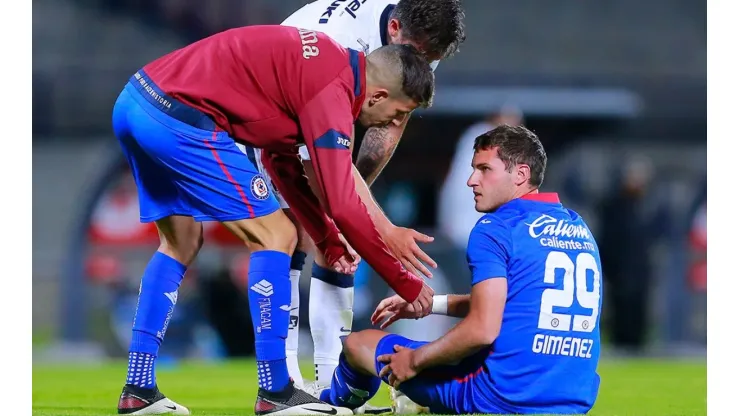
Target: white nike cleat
[[315, 390], [293, 401], [402, 405], [139, 401], [368, 409]]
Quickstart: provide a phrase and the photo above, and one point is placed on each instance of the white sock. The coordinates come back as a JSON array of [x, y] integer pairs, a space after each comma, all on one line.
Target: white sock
[[330, 316], [291, 343]]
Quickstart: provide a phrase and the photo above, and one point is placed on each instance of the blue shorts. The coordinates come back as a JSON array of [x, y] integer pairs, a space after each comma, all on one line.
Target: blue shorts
[[182, 163], [443, 389]]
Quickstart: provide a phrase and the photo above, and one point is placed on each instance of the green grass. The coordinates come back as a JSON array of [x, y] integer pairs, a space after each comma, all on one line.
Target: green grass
[[628, 388]]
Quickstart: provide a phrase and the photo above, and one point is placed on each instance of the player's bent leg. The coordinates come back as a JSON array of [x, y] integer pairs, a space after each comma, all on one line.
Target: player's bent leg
[[330, 315], [271, 239], [180, 240], [297, 262], [355, 381]]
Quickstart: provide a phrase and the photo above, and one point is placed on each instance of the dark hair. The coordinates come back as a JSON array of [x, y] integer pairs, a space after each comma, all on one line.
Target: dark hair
[[516, 145], [418, 77], [436, 25]]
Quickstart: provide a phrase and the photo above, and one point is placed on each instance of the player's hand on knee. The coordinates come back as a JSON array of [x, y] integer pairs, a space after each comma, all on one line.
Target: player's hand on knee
[[390, 310], [423, 303], [399, 366], [403, 245]]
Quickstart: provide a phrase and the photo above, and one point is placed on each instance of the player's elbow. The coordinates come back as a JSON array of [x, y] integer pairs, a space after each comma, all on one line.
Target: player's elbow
[[486, 338], [485, 333]]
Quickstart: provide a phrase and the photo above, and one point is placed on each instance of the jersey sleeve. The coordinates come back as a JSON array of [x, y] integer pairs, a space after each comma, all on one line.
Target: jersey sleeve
[[327, 124], [489, 248], [286, 172]]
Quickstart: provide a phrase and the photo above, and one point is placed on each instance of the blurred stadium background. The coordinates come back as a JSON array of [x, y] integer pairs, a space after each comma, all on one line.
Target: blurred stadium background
[[615, 89]]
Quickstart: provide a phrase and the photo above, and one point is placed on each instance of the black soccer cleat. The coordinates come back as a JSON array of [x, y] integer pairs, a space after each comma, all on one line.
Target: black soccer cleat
[[293, 401], [140, 401]]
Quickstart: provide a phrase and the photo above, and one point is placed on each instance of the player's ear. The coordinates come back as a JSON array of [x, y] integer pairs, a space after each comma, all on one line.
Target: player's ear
[[394, 30], [523, 174], [378, 96]]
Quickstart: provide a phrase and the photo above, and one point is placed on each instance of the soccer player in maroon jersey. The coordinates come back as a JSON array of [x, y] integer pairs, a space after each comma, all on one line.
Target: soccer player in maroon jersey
[[273, 87]]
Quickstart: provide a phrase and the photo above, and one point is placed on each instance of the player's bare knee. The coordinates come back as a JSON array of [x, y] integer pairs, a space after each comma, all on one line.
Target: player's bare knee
[[272, 232], [304, 243], [184, 250], [352, 347], [180, 238], [359, 349]]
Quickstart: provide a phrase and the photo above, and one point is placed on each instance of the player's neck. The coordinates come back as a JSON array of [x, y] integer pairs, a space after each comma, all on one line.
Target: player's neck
[[525, 191]]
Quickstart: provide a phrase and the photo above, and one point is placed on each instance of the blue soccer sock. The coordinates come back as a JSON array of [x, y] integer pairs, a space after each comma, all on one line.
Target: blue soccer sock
[[350, 388], [269, 304], [157, 299]]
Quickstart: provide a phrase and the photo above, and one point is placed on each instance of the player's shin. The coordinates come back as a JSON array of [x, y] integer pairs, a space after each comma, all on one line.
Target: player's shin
[[291, 343], [269, 304], [330, 316], [157, 299], [350, 388]]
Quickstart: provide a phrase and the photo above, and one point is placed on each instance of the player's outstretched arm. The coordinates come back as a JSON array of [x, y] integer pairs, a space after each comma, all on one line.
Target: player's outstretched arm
[[286, 172], [327, 123], [393, 308]]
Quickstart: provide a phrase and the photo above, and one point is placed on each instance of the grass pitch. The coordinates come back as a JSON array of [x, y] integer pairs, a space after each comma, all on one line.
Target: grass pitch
[[628, 388]]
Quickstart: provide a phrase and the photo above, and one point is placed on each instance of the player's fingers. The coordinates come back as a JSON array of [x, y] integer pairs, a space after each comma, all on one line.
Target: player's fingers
[[390, 321], [375, 319], [421, 255], [410, 267], [385, 371], [385, 358], [346, 265], [418, 310], [420, 267], [395, 317], [396, 383], [422, 237], [383, 306], [392, 379]]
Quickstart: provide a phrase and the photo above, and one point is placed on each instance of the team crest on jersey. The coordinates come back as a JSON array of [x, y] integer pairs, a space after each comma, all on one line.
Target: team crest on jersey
[[259, 188]]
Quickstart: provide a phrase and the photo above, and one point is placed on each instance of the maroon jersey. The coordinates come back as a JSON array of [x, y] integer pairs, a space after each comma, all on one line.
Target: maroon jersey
[[275, 87]]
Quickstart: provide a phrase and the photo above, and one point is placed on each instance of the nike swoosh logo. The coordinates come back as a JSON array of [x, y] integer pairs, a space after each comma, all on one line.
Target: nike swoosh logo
[[345, 330], [324, 411], [171, 407]]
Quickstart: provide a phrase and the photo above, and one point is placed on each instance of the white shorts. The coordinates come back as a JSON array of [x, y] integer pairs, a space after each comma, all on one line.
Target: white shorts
[[255, 156]]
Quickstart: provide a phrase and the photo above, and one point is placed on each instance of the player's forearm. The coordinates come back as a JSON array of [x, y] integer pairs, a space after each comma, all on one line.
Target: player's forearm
[[463, 340], [382, 223], [286, 173], [377, 149], [357, 227], [456, 306]]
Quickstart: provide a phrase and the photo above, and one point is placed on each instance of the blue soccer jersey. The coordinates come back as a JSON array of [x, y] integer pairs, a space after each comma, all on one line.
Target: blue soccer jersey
[[545, 358]]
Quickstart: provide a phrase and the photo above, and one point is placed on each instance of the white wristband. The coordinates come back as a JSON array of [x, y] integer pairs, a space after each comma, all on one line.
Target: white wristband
[[439, 305]]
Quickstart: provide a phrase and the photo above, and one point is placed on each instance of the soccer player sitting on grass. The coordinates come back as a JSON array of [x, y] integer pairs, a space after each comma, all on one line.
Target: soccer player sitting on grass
[[528, 342]]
